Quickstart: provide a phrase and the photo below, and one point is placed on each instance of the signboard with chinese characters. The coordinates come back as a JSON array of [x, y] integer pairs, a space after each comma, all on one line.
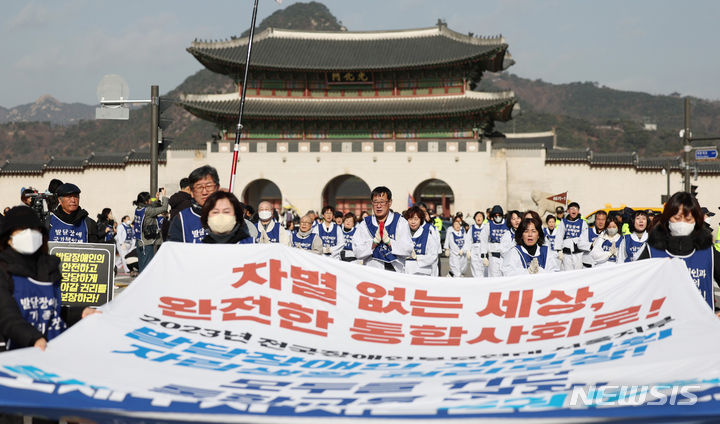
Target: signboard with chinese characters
[[87, 272], [350, 77], [269, 333]]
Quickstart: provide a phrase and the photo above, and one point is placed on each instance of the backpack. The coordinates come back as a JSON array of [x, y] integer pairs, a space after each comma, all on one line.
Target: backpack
[[151, 231]]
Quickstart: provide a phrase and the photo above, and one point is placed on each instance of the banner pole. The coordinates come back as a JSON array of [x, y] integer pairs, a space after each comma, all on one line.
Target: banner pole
[[239, 127]]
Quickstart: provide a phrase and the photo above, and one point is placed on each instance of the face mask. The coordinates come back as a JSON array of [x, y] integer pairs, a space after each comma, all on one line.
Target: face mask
[[497, 219], [265, 215], [680, 229], [611, 231], [221, 223], [27, 241]]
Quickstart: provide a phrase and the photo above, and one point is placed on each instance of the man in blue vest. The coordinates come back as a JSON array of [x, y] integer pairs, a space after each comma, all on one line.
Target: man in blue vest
[[383, 240], [69, 222]]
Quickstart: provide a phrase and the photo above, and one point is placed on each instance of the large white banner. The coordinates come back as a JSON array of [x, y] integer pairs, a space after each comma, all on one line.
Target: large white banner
[[266, 333]]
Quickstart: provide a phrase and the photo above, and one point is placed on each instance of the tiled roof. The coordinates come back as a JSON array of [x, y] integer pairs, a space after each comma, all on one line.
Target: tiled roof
[[556, 155], [226, 106], [613, 158], [377, 50], [658, 163], [79, 164]]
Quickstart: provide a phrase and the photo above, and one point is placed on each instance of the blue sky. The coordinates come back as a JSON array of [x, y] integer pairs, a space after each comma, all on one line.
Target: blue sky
[[64, 47]]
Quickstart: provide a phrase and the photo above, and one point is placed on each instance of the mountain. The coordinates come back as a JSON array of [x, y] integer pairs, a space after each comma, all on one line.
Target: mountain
[[48, 109], [585, 114]]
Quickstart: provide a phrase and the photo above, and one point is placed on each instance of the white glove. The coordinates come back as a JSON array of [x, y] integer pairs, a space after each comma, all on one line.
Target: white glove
[[468, 254], [326, 249], [377, 239], [413, 255], [613, 250], [534, 266], [461, 253], [561, 255], [446, 252], [386, 238], [486, 262]]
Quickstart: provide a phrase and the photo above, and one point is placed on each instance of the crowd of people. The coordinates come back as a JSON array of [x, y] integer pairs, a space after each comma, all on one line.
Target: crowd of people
[[495, 243]]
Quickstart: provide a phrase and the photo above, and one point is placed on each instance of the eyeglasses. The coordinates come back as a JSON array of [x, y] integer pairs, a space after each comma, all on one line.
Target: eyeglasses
[[205, 187], [379, 202]]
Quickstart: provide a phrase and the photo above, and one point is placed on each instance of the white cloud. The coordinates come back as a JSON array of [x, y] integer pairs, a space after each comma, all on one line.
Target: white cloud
[[29, 17]]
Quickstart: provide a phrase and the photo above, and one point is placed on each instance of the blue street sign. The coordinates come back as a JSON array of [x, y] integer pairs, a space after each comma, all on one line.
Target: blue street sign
[[704, 154]]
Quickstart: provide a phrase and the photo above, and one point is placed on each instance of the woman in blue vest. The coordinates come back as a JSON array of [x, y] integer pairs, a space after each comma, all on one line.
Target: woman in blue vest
[[30, 309], [223, 219], [349, 226], [477, 265], [305, 238], [423, 260], [679, 233], [634, 242], [507, 241], [529, 255], [106, 226], [607, 246], [550, 231], [457, 247]]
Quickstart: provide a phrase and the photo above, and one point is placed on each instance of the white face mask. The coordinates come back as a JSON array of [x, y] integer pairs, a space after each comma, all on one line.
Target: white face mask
[[680, 229], [498, 219], [611, 231], [265, 215], [27, 241], [221, 223]]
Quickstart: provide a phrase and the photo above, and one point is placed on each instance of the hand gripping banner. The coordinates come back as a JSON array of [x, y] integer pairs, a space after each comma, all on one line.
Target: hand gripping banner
[[266, 333]]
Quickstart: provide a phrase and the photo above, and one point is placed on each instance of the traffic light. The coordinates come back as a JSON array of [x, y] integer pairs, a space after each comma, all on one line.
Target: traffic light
[[693, 190]]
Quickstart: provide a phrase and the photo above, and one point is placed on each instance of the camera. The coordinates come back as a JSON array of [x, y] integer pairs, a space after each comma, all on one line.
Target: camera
[[39, 202]]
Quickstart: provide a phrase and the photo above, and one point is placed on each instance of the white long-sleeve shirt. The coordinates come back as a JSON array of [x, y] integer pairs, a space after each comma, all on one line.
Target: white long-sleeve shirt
[[401, 244], [423, 264], [600, 252]]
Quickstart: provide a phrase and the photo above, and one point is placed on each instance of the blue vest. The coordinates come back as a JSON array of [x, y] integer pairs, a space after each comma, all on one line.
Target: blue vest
[[383, 252], [160, 219], [39, 305], [273, 235], [420, 242], [592, 234], [572, 228], [631, 247], [606, 247], [700, 266], [137, 223], [497, 231], [192, 229], [329, 238], [348, 238], [247, 240], [109, 235], [63, 232], [475, 232], [129, 231], [525, 257], [303, 243], [549, 238], [459, 239]]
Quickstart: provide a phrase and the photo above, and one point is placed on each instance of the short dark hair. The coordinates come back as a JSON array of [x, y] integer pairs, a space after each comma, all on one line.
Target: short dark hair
[[688, 202], [510, 214], [635, 215], [549, 217], [350, 215], [54, 184], [143, 198], [414, 211], [327, 208], [524, 225], [202, 172], [184, 182], [212, 201], [379, 191], [479, 213]]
